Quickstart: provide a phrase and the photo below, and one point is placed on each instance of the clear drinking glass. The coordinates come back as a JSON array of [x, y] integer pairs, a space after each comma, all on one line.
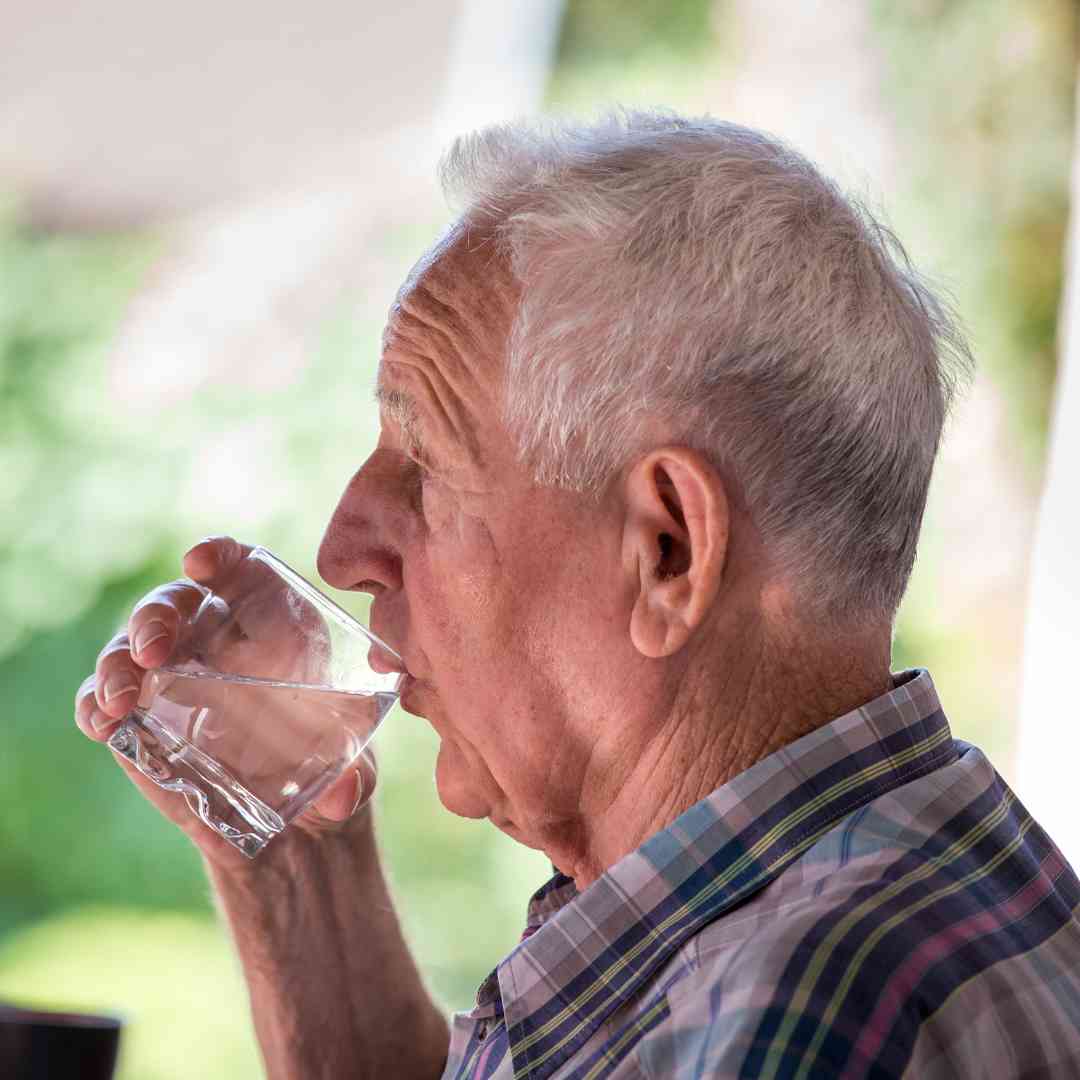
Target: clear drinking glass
[[271, 692]]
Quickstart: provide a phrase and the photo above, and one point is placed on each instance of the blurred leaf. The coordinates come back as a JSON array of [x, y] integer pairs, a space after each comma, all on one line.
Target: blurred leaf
[[990, 181], [597, 30]]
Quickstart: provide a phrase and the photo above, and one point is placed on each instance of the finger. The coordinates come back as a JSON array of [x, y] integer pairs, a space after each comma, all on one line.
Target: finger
[[369, 775], [155, 622], [118, 678], [223, 565], [284, 628], [89, 719], [214, 558], [351, 791]]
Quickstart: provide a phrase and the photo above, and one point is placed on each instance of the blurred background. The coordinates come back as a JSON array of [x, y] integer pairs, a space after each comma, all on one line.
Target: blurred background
[[205, 211]]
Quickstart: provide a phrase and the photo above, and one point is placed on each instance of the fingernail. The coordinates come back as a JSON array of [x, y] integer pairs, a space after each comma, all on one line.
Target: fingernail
[[150, 633], [118, 684], [99, 721], [359, 793]]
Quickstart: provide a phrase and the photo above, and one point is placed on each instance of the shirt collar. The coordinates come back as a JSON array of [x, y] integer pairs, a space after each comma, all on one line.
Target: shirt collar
[[584, 954]]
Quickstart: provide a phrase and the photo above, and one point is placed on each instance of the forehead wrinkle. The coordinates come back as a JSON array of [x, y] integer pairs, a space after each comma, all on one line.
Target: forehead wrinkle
[[439, 327], [448, 326], [463, 291], [446, 409], [445, 330], [415, 334], [456, 311], [472, 263]]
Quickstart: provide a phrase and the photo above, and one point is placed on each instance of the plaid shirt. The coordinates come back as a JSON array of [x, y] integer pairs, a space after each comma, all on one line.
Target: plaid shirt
[[870, 901]]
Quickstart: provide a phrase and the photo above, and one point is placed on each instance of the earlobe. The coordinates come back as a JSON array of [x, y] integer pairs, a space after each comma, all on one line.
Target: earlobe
[[675, 546], [655, 628]]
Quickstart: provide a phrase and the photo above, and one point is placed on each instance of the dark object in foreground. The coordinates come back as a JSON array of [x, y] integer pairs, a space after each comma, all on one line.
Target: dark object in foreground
[[37, 1045]]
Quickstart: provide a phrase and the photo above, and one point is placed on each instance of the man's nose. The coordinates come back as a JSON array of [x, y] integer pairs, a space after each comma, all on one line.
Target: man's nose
[[358, 550]]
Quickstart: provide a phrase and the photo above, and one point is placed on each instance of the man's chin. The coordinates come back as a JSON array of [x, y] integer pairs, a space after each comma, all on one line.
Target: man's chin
[[511, 830], [452, 784]]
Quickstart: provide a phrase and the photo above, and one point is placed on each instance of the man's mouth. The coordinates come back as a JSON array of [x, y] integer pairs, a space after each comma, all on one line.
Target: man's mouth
[[409, 695], [385, 660]]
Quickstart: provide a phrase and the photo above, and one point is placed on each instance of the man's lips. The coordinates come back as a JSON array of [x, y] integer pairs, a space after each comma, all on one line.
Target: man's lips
[[386, 662], [408, 694], [385, 659]]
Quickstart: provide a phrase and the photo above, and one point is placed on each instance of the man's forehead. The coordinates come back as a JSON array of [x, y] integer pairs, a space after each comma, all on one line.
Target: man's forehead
[[451, 244], [452, 316], [465, 268]]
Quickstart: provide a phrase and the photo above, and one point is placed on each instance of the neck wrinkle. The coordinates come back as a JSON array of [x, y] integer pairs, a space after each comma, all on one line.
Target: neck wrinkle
[[742, 708]]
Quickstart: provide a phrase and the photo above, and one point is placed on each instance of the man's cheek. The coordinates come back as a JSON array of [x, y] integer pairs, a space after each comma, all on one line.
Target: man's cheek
[[462, 552], [440, 508]]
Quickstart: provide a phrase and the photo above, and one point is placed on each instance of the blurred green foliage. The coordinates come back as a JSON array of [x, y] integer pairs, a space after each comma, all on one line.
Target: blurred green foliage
[[103, 905], [986, 91], [64, 459], [602, 30], [643, 52], [74, 547], [982, 100]]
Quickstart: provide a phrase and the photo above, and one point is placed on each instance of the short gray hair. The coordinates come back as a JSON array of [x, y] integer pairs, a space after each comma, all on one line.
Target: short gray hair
[[706, 273]]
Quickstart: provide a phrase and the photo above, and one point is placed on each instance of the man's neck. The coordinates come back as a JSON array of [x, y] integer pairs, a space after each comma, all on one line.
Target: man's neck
[[739, 708]]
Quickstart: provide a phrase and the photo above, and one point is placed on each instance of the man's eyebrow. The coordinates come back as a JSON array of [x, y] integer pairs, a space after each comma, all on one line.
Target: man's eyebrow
[[402, 409]]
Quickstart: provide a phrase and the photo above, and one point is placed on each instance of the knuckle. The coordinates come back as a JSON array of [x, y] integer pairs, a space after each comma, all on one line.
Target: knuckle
[[168, 604], [120, 647], [162, 598], [154, 611], [230, 552], [191, 590], [221, 543]]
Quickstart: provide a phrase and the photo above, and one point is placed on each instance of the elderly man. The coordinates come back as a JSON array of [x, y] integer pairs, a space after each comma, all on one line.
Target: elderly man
[[659, 414]]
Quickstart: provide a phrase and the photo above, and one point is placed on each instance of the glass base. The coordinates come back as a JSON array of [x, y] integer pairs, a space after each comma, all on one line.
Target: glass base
[[212, 794]]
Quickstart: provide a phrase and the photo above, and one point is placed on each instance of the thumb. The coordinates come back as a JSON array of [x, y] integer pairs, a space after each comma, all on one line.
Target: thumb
[[349, 793]]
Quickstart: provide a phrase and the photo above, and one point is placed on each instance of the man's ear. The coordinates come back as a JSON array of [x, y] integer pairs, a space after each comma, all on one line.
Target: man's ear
[[675, 542]]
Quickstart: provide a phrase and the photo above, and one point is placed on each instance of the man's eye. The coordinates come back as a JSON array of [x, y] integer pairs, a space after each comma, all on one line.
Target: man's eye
[[415, 476], [422, 471]]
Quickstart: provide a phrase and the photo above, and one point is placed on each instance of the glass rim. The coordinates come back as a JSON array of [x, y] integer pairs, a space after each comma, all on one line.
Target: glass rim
[[320, 599]]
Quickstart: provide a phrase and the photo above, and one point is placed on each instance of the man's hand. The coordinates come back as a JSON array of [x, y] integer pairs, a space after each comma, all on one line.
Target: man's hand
[[334, 990], [155, 626]]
